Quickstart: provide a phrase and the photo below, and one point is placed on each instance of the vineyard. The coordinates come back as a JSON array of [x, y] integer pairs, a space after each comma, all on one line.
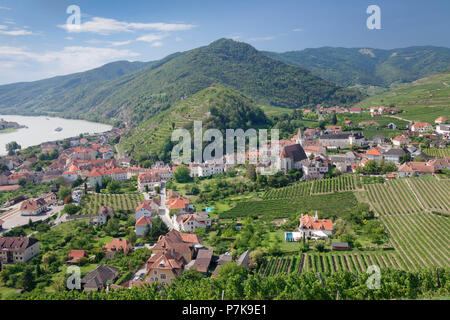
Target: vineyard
[[321, 186], [91, 203], [437, 152], [329, 204], [328, 263], [413, 211]]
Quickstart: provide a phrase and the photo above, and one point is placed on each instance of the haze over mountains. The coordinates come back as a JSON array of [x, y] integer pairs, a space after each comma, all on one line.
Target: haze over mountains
[[137, 91], [366, 66], [138, 95]]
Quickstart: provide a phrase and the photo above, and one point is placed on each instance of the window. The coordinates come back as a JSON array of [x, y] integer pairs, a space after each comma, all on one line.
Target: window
[[155, 272], [163, 276]]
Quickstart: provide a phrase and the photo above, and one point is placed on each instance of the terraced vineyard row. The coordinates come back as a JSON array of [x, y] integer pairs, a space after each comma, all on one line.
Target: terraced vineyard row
[[393, 197], [91, 203], [433, 194], [296, 190], [338, 184], [421, 239], [329, 262], [437, 152]]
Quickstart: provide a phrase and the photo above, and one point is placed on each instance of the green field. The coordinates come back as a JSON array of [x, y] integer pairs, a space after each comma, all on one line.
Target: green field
[[91, 203], [422, 100], [321, 186], [437, 152], [333, 204], [414, 212]]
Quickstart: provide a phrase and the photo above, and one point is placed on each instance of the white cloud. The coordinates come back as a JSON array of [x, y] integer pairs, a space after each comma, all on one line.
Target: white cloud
[[297, 30], [178, 39], [4, 8], [268, 38], [152, 37], [120, 43], [107, 26], [68, 38], [68, 60], [14, 32], [157, 44]]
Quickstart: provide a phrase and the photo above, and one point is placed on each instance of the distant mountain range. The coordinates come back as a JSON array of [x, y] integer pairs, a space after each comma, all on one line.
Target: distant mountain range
[[369, 67], [138, 91]]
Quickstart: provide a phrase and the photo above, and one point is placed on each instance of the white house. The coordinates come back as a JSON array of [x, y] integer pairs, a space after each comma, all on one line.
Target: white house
[[148, 181], [148, 208], [313, 227], [188, 222], [421, 127], [142, 225]]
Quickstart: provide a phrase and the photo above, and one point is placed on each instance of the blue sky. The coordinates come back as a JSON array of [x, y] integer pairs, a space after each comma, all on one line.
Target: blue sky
[[36, 43]]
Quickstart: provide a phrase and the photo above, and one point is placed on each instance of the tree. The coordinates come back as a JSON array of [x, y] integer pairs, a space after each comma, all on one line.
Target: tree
[[63, 192], [27, 280], [113, 187], [182, 174], [334, 119], [12, 147], [71, 209], [251, 172]]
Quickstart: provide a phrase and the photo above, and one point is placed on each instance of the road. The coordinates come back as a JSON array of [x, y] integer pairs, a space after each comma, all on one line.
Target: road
[[13, 218], [165, 217]]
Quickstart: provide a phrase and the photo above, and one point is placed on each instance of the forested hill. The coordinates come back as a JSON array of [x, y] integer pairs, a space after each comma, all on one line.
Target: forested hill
[[139, 95], [50, 94], [216, 106], [366, 66]]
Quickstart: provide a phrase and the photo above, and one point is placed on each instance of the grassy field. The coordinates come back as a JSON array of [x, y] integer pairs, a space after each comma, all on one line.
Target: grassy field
[[422, 100], [91, 203], [414, 212], [437, 152], [333, 204]]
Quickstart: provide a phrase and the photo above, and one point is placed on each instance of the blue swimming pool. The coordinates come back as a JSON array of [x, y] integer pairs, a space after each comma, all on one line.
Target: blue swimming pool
[[289, 237]]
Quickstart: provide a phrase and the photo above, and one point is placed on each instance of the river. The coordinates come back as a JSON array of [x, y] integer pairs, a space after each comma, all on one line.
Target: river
[[42, 129]]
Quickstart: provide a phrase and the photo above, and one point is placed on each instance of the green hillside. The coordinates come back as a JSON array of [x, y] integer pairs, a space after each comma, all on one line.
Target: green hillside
[[370, 67], [139, 95], [216, 106], [422, 100], [58, 94]]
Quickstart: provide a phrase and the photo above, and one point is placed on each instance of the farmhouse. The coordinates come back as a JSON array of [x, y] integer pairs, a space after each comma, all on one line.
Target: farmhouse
[[313, 227], [32, 207], [115, 246], [143, 224], [400, 141], [409, 169], [147, 208], [18, 249], [148, 182], [190, 221], [342, 140], [98, 278], [421, 127]]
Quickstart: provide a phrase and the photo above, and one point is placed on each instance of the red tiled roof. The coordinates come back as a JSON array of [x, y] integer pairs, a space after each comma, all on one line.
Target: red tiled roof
[[316, 224], [143, 221]]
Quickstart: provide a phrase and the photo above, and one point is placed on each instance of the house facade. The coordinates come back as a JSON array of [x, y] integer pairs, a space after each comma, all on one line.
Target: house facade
[[18, 249]]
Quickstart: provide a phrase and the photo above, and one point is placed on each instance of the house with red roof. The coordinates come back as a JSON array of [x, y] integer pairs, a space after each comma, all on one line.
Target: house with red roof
[[32, 207], [374, 154], [189, 222], [421, 127], [313, 227], [409, 169], [178, 205], [400, 141], [148, 182], [356, 110], [115, 246], [76, 255], [440, 120], [148, 208], [143, 224]]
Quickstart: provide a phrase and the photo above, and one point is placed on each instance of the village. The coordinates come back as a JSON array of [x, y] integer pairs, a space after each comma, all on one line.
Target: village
[[82, 168]]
